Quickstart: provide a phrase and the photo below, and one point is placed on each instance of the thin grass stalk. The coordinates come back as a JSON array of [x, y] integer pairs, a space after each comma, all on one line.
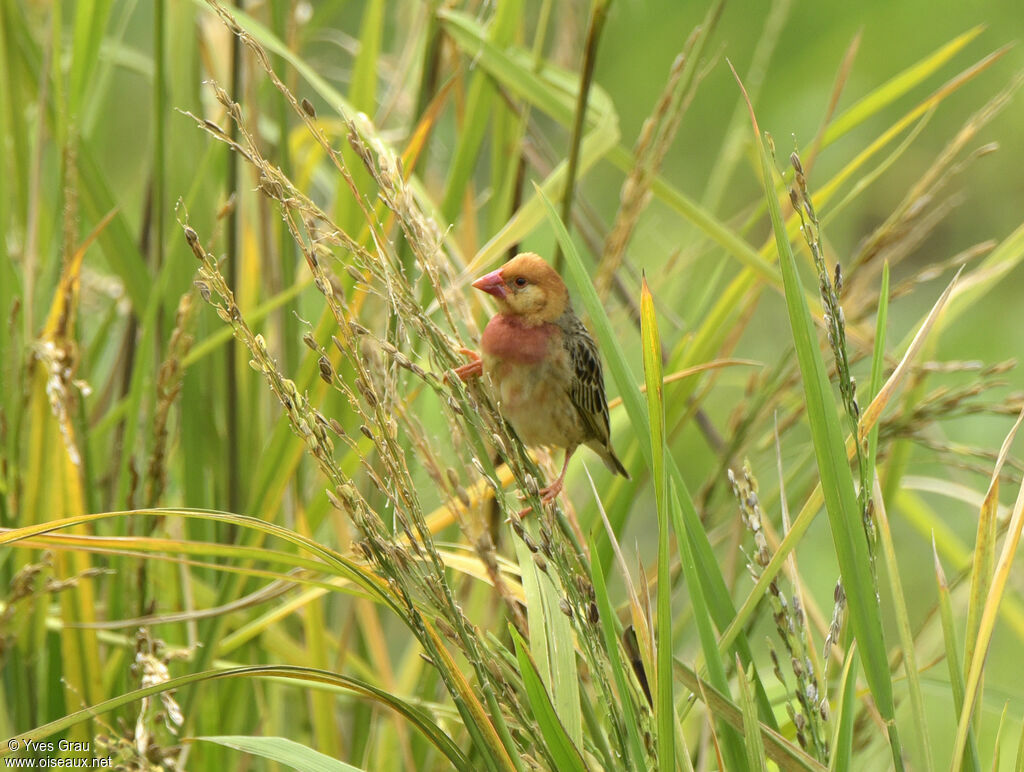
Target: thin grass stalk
[[906, 636], [280, 750], [653, 144], [168, 389], [515, 128], [835, 324], [159, 183], [915, 75], [234, 194], [735, 135], [598, 14], [285, 248], [325, 733], [436, 484], [984, 559], [877, 367]]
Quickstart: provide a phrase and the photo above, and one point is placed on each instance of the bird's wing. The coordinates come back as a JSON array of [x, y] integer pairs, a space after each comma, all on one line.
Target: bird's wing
[[586, 388]]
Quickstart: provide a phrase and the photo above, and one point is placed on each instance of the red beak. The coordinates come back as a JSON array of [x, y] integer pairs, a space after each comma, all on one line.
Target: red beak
[[492, 284]]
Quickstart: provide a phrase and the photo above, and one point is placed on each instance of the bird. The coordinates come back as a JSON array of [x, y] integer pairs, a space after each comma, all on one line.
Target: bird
[[544, 365]]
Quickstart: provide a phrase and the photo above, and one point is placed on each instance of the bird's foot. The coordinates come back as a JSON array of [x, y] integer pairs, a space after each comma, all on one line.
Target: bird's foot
[[547, 495], [473, 369]]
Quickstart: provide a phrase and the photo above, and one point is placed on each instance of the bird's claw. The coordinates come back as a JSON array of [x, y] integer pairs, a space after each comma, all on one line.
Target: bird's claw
[[547, 495], [473, 369]]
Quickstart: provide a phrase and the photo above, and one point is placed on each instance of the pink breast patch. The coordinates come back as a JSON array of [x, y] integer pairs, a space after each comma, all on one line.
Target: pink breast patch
[[509, 339]]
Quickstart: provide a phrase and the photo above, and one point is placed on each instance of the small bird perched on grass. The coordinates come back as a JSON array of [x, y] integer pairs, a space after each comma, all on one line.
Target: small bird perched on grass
[[544, 364]]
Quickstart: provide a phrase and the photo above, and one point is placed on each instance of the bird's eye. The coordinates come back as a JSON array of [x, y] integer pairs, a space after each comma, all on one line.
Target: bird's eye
[[520, 281]]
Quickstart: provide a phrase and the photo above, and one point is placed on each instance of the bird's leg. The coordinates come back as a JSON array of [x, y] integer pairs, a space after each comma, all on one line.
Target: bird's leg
[[472, 370], [550, 493]]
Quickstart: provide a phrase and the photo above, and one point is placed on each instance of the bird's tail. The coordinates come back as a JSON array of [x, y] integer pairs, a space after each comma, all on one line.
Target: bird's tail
[[607, 454]]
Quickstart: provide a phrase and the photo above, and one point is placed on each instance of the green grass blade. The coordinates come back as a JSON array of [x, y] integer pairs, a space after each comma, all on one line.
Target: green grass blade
[[90, 21], [336, 562], [834, 468], [899, 599], [302, 674], [986, 276], [845, 714], [664, 705], [732, 742], [276, 46], [514, 72], [283, 751], [926, 521], [561, 747], [119, 247], [956, 677], [756, 758], [611, 634], [551, 642], [717, 324], [321, 705], [735, 136], [972, 685], [1019, 765], [869, 177], [997, 743], [896, 87], [16, 193], [983, 564]]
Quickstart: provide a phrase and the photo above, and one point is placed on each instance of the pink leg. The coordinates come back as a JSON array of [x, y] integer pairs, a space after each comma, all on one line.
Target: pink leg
[[472, 370], [550, 493]]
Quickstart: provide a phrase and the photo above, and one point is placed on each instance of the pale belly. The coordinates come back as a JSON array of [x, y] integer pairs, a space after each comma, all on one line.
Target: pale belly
[[536, 402]]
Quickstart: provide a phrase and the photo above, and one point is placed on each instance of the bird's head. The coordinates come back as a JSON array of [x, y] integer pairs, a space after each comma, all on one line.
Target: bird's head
[[527, 287]]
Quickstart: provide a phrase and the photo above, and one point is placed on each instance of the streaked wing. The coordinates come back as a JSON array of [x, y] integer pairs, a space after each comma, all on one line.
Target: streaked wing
[[587, 387]]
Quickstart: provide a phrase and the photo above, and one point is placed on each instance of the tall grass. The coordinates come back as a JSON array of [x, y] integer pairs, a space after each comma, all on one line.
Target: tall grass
[[250, 518]]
